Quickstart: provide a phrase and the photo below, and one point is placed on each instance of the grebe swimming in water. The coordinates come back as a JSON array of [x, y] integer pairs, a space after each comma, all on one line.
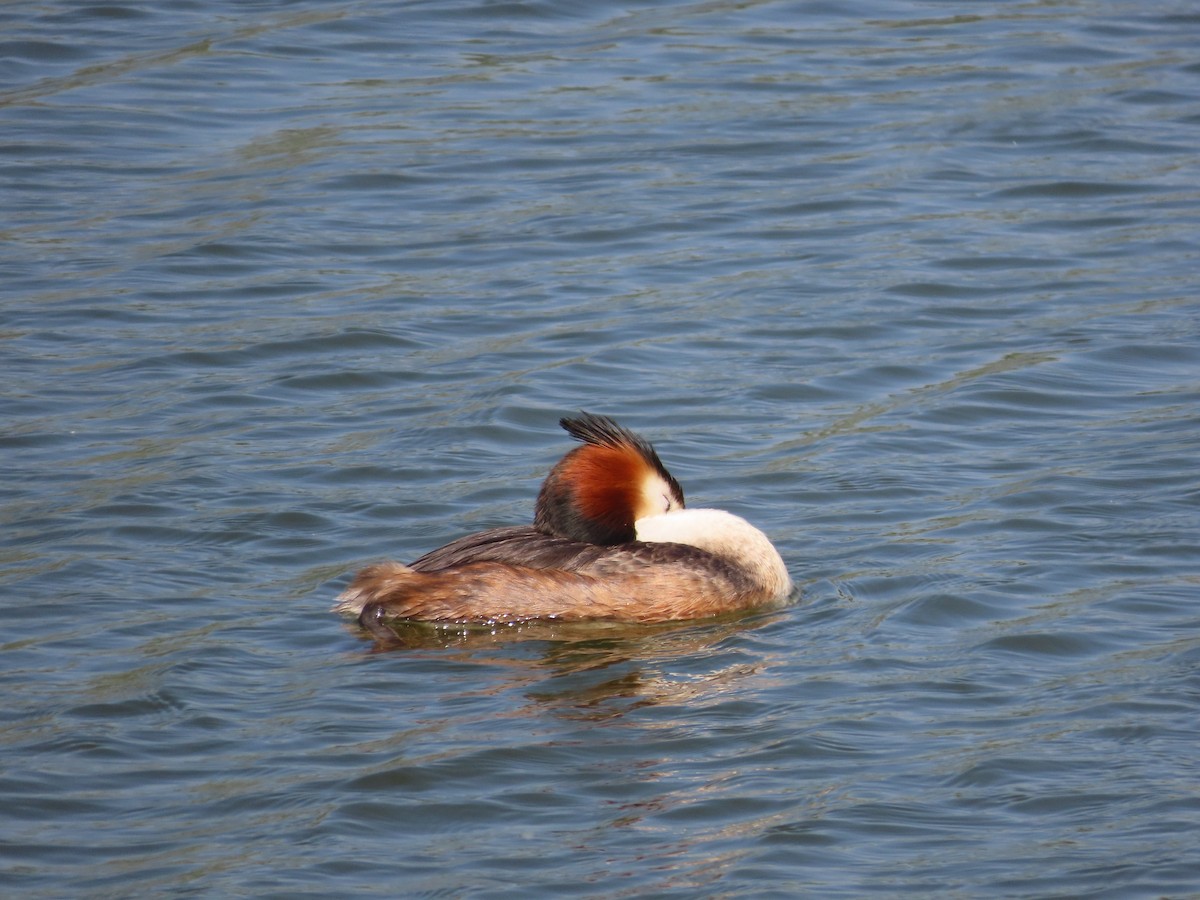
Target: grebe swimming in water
[[611, 540]]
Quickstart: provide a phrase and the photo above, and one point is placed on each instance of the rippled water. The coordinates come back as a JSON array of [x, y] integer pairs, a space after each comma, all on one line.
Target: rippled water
[[289, 287]]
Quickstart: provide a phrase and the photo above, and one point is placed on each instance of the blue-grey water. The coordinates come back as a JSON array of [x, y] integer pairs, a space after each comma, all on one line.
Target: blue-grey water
[[289, 287]]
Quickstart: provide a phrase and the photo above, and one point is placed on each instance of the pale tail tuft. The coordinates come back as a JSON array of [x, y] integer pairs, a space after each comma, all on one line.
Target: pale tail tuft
[[367, 586]]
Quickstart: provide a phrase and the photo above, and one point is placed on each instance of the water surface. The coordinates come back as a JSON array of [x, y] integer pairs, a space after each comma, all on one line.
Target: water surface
[[285, 288]]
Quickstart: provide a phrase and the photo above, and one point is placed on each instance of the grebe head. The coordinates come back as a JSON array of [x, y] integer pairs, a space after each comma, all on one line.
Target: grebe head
[[598, 491]]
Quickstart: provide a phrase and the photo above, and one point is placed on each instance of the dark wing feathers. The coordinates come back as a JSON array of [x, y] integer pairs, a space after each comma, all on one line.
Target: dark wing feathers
[[521, 545], [517, 545]]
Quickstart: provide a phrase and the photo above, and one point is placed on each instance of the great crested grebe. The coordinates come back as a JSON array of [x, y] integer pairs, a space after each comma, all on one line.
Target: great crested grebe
[[611, 540]]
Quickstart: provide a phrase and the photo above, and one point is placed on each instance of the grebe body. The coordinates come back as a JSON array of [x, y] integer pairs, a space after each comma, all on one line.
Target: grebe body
[[611, 540]]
